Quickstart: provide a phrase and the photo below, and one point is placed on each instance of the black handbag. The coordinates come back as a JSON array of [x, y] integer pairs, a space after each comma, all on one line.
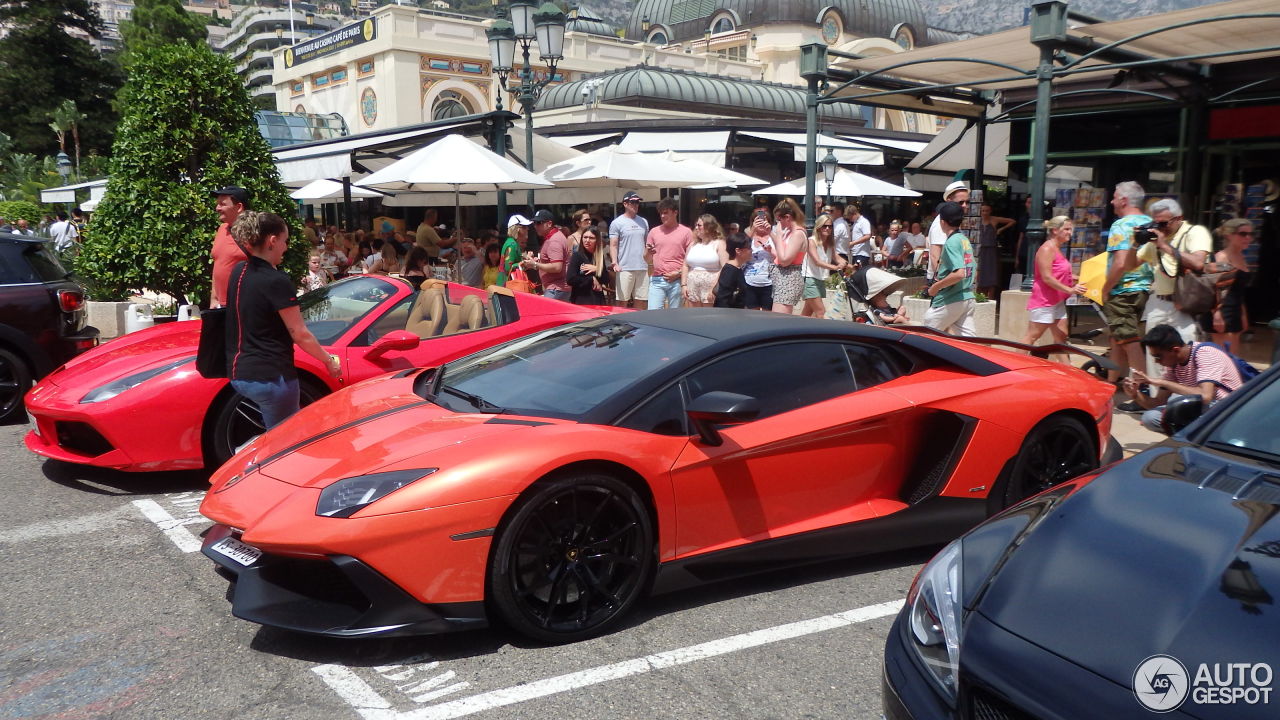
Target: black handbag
[[211, 357]]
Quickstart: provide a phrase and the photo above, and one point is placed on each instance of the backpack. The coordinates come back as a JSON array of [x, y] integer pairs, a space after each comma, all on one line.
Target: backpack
[[1247, 371]]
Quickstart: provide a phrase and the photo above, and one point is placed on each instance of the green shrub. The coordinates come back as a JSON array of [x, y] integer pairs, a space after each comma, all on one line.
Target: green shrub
[[186, 129], [12, 210]]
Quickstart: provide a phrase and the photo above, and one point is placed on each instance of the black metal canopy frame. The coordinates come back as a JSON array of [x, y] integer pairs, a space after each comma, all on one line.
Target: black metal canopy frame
[[1048, 31]]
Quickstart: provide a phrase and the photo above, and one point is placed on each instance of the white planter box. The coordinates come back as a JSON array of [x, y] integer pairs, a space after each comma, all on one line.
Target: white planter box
[[984, 314], [108, 317]]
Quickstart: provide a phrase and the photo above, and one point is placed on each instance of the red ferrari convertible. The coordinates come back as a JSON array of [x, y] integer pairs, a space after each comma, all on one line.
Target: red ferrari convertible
[[138, 404], [552, 481]]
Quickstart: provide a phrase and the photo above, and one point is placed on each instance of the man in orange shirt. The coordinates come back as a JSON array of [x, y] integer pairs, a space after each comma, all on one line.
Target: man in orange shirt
[[232, 200]]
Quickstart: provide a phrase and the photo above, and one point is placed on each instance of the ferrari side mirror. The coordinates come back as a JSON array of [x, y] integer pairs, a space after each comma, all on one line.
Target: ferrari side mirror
[[720, 408], [395, 340], [1179, 412]]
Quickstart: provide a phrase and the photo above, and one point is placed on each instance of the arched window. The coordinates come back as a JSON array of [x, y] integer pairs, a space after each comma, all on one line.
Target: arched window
[[450, 104], [657, 37], [722, 25]]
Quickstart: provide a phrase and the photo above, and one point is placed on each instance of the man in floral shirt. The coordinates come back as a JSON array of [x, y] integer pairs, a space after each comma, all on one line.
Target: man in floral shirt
[[1128, 281]]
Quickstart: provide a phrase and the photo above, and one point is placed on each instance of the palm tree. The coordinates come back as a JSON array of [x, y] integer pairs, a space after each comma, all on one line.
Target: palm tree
[[67, 118]]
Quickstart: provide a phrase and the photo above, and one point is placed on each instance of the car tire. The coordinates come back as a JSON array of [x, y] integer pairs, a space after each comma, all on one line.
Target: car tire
[[1057, 449], [15, 380], [572, 559], [237, 419]]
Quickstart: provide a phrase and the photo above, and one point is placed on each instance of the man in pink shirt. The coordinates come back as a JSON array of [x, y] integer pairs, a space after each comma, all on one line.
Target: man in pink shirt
[[553, 257], [232, 201], [665, 247]]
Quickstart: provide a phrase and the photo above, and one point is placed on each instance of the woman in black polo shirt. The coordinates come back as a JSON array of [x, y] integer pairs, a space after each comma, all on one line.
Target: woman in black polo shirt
[[263, 321]]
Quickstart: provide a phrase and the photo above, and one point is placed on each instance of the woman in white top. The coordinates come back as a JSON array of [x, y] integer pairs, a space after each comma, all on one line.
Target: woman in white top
[[819, 260], [759, 291], [702, 262]]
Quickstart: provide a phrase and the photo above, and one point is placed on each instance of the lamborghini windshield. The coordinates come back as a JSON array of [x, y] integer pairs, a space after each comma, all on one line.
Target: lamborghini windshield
[[564, 372]]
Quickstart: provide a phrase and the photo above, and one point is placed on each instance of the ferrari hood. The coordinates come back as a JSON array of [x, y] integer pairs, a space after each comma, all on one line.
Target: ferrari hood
[[130, 354], [1177, 555]]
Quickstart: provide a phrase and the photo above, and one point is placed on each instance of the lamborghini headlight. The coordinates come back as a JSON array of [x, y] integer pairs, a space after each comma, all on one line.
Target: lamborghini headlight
[[345, 497], [936, 615], [115, 387]]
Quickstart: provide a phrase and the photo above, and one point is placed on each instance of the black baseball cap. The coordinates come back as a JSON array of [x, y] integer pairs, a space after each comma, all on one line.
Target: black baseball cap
[[633, 195], [236, 193], [543, 216]]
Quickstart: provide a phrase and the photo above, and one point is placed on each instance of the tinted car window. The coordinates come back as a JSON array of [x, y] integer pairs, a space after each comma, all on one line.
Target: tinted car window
[[44, 262], [872, 366], [567, 371], [662, 414], [1251, 425], [783, 377]]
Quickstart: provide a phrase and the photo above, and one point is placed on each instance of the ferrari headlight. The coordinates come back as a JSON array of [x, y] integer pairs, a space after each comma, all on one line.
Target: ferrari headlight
[[115, 387], [936, 615], [345, 497]]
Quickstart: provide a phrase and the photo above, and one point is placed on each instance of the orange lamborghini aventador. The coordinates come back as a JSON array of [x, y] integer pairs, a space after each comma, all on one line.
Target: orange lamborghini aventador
[[552, 481]]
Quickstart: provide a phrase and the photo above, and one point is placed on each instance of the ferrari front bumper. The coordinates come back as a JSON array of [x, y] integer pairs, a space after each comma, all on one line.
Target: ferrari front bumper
[[336, 596]]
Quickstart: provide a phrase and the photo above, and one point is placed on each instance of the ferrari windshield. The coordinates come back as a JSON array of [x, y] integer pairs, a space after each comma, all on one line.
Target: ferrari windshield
[[329, 311], [564, 372], [1251, 425]]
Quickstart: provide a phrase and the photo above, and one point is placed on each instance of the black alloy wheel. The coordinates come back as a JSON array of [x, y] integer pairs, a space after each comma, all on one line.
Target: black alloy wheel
[[15, 380], [1056, 450], [238, 420], [572, 559]]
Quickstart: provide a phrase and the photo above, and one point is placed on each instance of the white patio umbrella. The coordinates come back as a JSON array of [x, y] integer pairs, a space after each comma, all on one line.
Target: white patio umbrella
[[329, 190], [454, 163], [617, 168], [847, 183], [725, 176]]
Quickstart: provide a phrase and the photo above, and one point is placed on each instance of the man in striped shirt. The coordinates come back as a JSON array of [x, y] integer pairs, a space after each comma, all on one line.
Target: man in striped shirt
[[1195, 369]]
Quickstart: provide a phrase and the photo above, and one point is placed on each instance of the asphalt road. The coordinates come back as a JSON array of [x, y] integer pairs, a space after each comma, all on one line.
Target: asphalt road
[[109, 611]]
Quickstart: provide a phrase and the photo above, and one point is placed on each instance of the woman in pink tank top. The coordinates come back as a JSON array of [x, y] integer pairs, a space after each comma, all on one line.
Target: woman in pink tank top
[[1054, 283]]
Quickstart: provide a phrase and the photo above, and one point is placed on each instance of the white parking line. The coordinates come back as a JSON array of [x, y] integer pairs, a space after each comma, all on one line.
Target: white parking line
[[172, 527], [372, 706]]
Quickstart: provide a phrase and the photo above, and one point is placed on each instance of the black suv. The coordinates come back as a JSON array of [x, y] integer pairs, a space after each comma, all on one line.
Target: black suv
[[42, 317]]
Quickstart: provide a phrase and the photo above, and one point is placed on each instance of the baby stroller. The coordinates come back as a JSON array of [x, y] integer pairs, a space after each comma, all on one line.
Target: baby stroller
[[866, 283]]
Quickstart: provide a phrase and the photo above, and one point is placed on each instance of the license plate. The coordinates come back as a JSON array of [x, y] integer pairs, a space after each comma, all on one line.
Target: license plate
[[244, 554]]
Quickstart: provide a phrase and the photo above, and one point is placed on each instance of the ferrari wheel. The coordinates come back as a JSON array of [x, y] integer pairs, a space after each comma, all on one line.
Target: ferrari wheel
[[1055, 450], [572, 559], [238, 420], [15, 380]]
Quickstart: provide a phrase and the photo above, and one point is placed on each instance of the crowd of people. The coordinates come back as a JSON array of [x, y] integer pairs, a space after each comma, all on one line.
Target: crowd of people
[[1186, 353], [779, 264]]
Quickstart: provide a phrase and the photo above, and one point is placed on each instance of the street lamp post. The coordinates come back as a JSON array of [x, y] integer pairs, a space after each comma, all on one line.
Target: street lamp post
[[830, 164], [528, 25], [64, 169]]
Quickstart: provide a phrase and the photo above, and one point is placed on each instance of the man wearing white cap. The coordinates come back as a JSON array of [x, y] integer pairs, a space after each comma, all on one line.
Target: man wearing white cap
[[626, 246], [513, 247], [956, 192]]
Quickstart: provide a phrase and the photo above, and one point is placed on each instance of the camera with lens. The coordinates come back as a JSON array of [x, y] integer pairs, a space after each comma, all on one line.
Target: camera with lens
[[1146, 233]]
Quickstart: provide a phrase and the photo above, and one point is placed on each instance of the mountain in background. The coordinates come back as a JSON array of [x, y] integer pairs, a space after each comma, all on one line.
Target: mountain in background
[[973, 17], [981, 17], [976, 17]]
